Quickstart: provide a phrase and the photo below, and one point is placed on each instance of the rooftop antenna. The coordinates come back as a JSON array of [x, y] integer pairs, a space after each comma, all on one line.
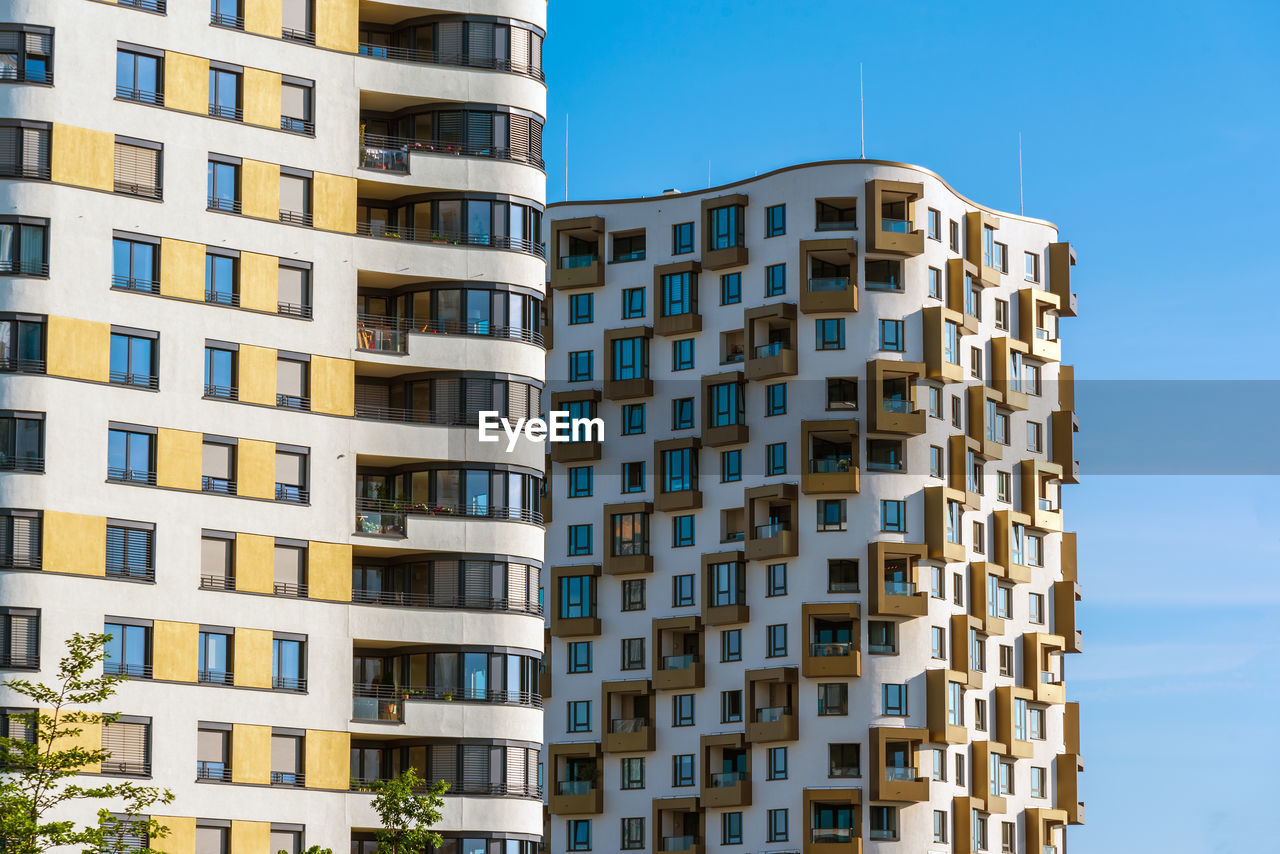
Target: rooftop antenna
[[862, 121], [566, 157], [1020, 210]]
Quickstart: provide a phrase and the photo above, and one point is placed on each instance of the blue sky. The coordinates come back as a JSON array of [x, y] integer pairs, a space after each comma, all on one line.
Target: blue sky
[[1150, 137]]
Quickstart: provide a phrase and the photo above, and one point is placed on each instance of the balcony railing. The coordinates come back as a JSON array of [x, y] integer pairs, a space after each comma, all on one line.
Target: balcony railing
[[574, 262], [9, 560], [770, 714], [1043, 334], [294, 684], [126, 767], [431, 57], [574, 787], [831, 834], [383, 333], [219, 485], [1045, 504], [374, 146], [217, 203], [770, 529], [146, 5], [20, 661], [451, 238], [679, 662], [19, 365], [146, 191], [221, 297], [385, 159], [721, 779], [463, 786], [220, 771], [883, 833], [633, 255], [627, 725], [1048, 678], [290, 34], [292, 493], [288, 588], [449, 694], [380, 516], [141, 96], [289, 124], [764, 351], [217, 582], [831, 649], [826, 465], [131, 283], [895, 226], [293, 309], [120, 668], [222, 112], [900, 588], [457, 601], [225, 392], [288, 778], [216, 677], [901, 773], [295, 217], [129, 572], [897, 406], [893, 283], [293, 401], [678, 843], [830, 283], [29, 464], [220, 19], [124, 475], [150, 381], [23, 267]]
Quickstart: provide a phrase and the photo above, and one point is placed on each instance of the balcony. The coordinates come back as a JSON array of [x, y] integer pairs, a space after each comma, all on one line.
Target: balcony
[[678, 825], [891, 403], [832, 640], [394, 154], [895, 764], [1063, 425], [1065, 596], [627, 705], [386, 702], [629, 381], [894, 575], [576, 770], [833, 818], [383, 334], [1062, 258], [831, 457], [724, 233], [576, 246], [891, 211], [730, 786], [678, 452], [724, 409], [678, 645], [1038, 324], [942, 352], [675, 298], [387, 231], [1067, 767], [944, 522], [770, 696], [580, 451], [460, 58], [626, 538], [770, 345], [1041, 491], [446, 601], [389, 517], [1042, 666], [827, 280], [945, 705], [579, 619]]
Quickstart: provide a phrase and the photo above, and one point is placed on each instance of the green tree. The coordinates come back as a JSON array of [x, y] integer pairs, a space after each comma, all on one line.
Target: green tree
[[45, 754], [408, 810]]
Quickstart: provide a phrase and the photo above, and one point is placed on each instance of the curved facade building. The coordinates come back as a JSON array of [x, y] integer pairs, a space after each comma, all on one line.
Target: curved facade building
[[812, 592], [261, 265]]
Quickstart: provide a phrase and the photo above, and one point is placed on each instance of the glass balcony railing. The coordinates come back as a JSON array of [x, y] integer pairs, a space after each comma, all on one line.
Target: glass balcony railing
[[679, 843], [830, 283], [900, 407], [1045, 504], [893, 283], [831, 649], [905, 774], [895, 226], [633, 255], [573, 787], [721, 779], [831, 834], [573, 262], [883, 833], [771, 714], [385, 159], [826, 465], [679, 662], [1048, 678], [764, 351], [881, 648], [770, 529], [1043, 334], [627, 725], [900, 588]]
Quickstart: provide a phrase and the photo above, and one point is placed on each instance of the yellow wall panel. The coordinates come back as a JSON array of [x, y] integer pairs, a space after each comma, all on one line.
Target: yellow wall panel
[[256, 469], [90, 738], [334, 202], [329, 571], [250, 754], [83, 157], [255, 563], [174, 650], [328, 759], [262, 89], [260, 189], [80, 349], [259, 283], [179, 458], [181, 838], [265, 18], [186, 82], [74, 543], [338, 24], [252, 655], [257, 375], [333, 385], [251, 837], [182, 269]]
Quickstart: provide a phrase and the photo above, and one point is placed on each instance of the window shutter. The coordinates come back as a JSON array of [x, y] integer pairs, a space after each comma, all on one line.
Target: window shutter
[[535, 53], [128, 548], [479, 130], [520, 137], [10, 151], [20, 644], [291, 286], [477, 579], [372, 396], [127, 744], [479, 43], [519, 49], [449, 127], [479, 396], [137, 170], [517, 400], [444, 763], [446, 398], [535, 140], [517, 770], [20, 542], [449, 42], [35, 152], [517, 585], [475, 767], [444, 581]]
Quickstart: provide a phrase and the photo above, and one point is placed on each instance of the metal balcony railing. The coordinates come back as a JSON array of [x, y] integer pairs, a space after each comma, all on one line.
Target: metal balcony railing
[[217, 582], [290, 401], [292, 493], [130, 572], [446, 600], [131, 283], [287, 588], [386, 231], [290, 34], [373, 146], [23, 267], [295, 217], [304, 127], [219, 485], [431, 57], [216, 677], [223, 112], [150, 381], [131, 475], [383, 333], [28, 464], [390, 515], [288, 778], [217, 203], [294, 684], [293, 309], [220, 19], [226, 392], [157, 6], [449, 694], [220, 771], [120, 668]]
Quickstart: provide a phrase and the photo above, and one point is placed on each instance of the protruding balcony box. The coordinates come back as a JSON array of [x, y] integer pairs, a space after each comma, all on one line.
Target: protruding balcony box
[[827, 293], [574, 627], [973, 225], [1039, 496], [979, 429], [1071, 727], [730, 786], [1037, 325], [771, 511], [1063, 426], [1066, 387], [826, 839], [679, 826], [891, 217], [962, 825], [1062, 257], [1065, 596], [678, 653], [582, 267], [893, 574], [891, 397], [575, 797], [680, 499], [766, 358], [628, 389], [627, 716], [1005, 387], [937, 686], [1005, 730], [1041, 666], [840, 658], [1002, 544], [1067, 556], [961, 651], [770, 703], [958, 448], [726, 434], [685, 323], [575, 452], [934, 319], [736, 611], [831, 468], [980, 574], [903, 782], [980, 777], [730, 256], [635, 558], [961, 276], [1043, 827], [936, 512]]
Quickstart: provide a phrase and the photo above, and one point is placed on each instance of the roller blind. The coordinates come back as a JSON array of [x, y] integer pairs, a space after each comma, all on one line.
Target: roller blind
[[211, 745], [20, 541], [296, 15], [137, 169], [288, 468], [519, 49], [215, 556], [293, 194], [290, 563], [295, 101], [291, 377], [19, 639], [449, 41], [127, 744], [128, 548], [519, 136], [444, 762], [217, 460], [475, 767], [479, 41], [292, 286], [284, 754]]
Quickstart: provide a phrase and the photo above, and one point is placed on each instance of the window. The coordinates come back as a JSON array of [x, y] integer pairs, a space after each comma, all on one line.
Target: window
[[286, 760], [951, 342], [776, 640], [842, 393], [26, 54], [730, 466], [979, 530], [1001, 257], [980, 715], [581, 308], [882, 637], [22, 441], [682, 591], [296, 102], [579, 540], [633, 594], [131, 455], [844, 760], [842, 576], [778, 825], [988, 246], [632, 478], [213, 753], [1035, 550], [291, 476], [935, 461], [977, 651], [135, 264], [775, 280], [831, 514], [24, 249], [580, 481], [682, 238], [295, 197], [1035, 608], [731, 645], [1006, 660], [224, 94], [1035, 436], [580, 657], [776, 458], [288, 664], [777, 763], [577, 595], [679, 294], [940, 826], [578, 832], [682, 354], [1002, 314], [836, 214], [138, 77], [775, 220], [956, 418], [935, 225], [833, 698], [633, 837], [127, 743], [227, 13], [884, 822], [128, 650], [682, 413], [884, 276], [727, 405], [631, 773], [894, 699], [935, 283], [731, 828], [957, 588], [777, 579], [975, 362], [959, 769], [829, 333], [1039, 781], [632, 652], [955, 706], [953, 236], [580, 366], [730, 288], [730, 707], [1004, 486], [936, 586], [682, 710], [939, 763], [682, 531], [19, 640], [221, 279], [632, 303], [938, 642], [724, 227], [679, 470], [579, 715], [632, 419], [1031, 380], [776, 395], [891, 336], [682, 769], [893, 516], [629, 247], [130, 550]]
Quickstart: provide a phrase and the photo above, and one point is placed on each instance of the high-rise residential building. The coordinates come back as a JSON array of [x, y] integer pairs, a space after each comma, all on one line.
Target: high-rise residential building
[[812, 591], [262, 262]]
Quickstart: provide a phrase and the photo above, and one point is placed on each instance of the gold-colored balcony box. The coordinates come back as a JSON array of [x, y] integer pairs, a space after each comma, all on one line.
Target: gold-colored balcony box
[[836, 840], [826, 658], [894, 235], [685, 323], [633, 387], [1038, 650], [776, 720], [934, 319], [1062, 257], [665, 839], [937, 693], [767, 360], [902, 416], [578, 797], [898, 783], [1005, 730], [1063, 425], [1065, 596], [583, 270], [941, 547], [719, 615], [719, 788], [729, 256], [681, 668], [839, 475], [974, 222], [820, 294], [908, 597], [572, 627], [623, 733], [1034, 306]]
